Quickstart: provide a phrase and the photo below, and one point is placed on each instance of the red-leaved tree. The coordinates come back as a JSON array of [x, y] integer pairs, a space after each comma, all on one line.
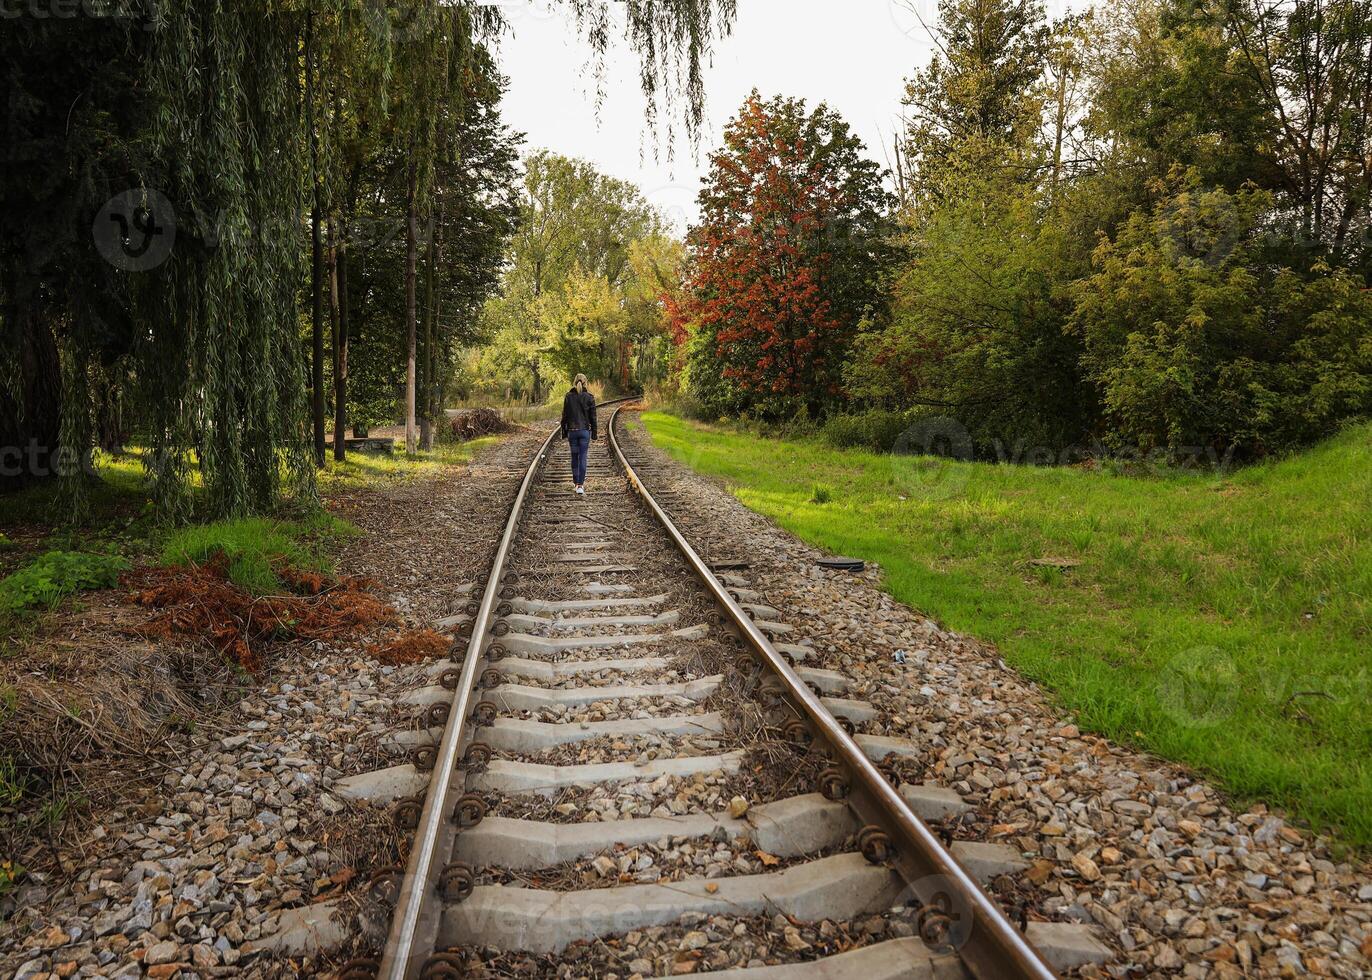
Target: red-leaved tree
[[785, 262]]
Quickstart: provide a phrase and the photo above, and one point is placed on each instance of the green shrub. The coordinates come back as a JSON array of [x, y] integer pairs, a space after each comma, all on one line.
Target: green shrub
[[1196, 337], [876, 429], [682, 403], [55, 575], [821, 494], [7, 544]]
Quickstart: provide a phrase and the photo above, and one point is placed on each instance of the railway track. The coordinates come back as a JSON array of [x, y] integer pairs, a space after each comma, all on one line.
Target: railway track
[[625, 768]]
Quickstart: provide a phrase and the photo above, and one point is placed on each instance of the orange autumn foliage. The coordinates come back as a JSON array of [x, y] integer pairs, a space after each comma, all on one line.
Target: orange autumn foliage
[[199, 602], [411, 648]]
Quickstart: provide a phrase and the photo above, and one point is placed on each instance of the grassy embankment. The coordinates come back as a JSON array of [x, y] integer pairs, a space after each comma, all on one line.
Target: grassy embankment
[[43, 561], [1222, 621]]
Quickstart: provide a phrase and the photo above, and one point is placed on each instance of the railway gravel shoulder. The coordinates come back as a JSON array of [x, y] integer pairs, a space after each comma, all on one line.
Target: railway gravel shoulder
[[243, 840], [565, 850], [1178, 880]]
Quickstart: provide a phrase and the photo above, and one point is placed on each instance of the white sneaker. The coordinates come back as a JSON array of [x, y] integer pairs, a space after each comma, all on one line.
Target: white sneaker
[[581, 490]]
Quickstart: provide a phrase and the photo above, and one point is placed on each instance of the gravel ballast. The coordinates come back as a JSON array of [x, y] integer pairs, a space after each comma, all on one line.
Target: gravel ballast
[[181, 876], [1179, 881]]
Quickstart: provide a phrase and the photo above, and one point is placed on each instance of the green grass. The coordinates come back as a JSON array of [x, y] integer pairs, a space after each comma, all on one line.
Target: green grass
[[118, 492], [1220, 621], [256, 547], [362, 470], [121, 519]]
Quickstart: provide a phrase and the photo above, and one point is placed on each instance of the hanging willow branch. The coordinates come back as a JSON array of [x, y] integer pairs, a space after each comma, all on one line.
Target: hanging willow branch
[[220, 367], [673, 40]]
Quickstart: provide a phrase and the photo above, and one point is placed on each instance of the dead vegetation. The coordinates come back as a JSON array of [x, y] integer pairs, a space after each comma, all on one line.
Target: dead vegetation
[[199, 602], [87, 713], [413, 647], [98, 699], [475, 423]]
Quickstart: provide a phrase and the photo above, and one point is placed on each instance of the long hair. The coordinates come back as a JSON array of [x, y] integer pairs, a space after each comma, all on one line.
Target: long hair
[[580, 382]]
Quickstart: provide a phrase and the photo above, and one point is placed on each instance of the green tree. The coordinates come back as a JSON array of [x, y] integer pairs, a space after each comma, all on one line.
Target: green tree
[[976, 331], [571, 260], [990, 234], [977, 104], [69, 141], [458, 252], [652, 293], [1195, 337], [1242, 91]]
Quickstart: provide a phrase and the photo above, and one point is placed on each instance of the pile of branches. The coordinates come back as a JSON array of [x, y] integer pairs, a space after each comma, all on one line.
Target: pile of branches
[[199, 601], [475, 423]]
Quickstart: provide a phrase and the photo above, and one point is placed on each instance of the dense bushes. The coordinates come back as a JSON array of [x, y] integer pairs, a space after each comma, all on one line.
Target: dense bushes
[[877, 429], [1195, 337], [976, 329], [1112, 235]]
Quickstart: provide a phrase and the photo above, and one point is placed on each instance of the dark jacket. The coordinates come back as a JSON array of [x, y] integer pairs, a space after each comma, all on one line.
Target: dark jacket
[[578, 412]]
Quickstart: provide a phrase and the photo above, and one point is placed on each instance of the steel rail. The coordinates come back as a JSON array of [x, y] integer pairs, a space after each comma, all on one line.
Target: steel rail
[[400, 959], [992, 949]]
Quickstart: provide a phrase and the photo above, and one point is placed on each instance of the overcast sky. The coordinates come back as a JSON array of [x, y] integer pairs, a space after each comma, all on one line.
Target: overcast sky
[[853, 54]]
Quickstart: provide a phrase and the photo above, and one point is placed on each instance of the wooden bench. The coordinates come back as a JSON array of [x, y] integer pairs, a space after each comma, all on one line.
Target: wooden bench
[[372, 444]]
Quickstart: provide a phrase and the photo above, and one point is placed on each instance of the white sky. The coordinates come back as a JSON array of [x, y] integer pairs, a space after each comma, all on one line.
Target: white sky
[[853, 54]]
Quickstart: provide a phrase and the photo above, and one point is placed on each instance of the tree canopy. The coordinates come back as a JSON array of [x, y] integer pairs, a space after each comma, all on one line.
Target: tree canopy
[[219, 154], [786, 261], [581, 289], [1138, 227]]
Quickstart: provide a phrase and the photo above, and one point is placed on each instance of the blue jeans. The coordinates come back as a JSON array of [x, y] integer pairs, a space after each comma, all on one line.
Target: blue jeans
[[580, 442]]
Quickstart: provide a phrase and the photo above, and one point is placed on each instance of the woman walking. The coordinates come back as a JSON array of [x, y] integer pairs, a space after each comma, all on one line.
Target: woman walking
[[578, 428]]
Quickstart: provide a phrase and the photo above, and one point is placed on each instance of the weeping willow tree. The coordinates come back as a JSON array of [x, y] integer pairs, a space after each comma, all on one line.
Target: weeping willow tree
[[673, 39], [228, 382], [219, 366], [232, 116]]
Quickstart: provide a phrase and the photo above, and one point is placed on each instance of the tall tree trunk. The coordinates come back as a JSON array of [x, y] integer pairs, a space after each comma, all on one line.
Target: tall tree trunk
[[316, 257], [340, 344], [536, 396], [107, 396], [1059, 126], [438, 392], [30, 410], [411, 260], [317, 335], [426, 434]]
